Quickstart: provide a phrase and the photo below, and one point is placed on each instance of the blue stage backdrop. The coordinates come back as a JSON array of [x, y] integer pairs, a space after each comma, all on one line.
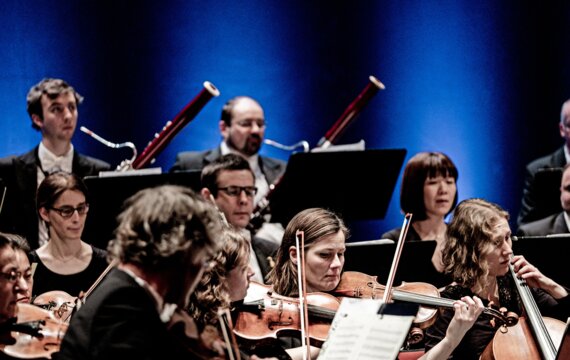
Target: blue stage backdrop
[[481, 81]]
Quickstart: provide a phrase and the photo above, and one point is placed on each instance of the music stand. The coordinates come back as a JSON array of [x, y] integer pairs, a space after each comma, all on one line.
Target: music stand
[[546, 253], [414, 265], [356, 184], [107, 194]]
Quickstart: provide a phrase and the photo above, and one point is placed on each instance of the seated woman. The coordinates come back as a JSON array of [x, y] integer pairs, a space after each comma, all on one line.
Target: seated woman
[[429, 192], [65, 262], [324, 237], [225, 286], [477, 254]]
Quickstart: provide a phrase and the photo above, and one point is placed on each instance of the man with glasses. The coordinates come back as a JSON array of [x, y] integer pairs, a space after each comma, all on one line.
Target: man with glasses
[[229, 183], [52, 105], [242, 127], [544, 174]]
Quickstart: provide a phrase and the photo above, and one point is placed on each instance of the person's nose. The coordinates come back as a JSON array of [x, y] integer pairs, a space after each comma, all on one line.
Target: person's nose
[[250, 273], [21, 284], [255, 128], [507, 249], [67, 114], [336, 263], [243, 198]]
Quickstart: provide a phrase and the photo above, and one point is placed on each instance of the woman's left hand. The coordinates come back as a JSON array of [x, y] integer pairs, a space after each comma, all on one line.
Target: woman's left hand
[[534, 278]]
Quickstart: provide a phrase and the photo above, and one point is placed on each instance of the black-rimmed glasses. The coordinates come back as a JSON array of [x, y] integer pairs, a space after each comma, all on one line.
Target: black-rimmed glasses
[[236, 190], [67, 211]]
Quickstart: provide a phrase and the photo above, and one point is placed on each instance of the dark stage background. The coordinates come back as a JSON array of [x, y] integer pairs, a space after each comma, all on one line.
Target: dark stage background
[[482, 81]]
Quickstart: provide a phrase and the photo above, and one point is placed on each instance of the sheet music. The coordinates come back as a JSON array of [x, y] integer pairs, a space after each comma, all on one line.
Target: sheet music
[[358, 332]]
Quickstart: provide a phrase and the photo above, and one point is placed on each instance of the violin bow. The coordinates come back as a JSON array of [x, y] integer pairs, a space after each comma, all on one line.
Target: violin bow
[[83, 296], [302, 281], [390, 282], [226, 325]]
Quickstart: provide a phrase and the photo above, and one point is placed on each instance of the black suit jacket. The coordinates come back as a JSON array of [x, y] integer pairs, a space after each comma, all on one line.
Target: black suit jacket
[[19, 173], [196, 160], [119, 321], [553, 224], [529, 209], [265, 252]]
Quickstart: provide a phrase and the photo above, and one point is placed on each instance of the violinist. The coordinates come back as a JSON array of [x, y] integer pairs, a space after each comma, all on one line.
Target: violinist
[[477, 255], [65, 262], [225, 286], [11, 285], [429, 191], [325, 235], [164, 241], [21, 247]]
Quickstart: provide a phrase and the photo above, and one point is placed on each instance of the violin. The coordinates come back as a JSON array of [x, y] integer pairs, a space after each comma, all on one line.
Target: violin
[[37, 333], [60, 303], [271, 314], [359, 285], [207, 344]]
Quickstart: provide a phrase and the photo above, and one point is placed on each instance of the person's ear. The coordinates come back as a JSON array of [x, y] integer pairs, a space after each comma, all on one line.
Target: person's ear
[[293, 254], [44, 214], [37, 121], [206, 193], [224, 129]]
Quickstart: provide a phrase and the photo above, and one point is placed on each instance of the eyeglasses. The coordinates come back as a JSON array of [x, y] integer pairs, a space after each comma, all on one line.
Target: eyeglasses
[[67, 211], [249, 123], [236, 190], [11, 276]]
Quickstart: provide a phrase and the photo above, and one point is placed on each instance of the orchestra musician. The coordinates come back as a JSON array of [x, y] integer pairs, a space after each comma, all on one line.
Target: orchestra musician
[[477, 255], [53, 108], [13, 283], [224, 286], [65, 263], [230, 182], [429, 192], [22, 250], [242, 126], [325, 235], [164, 241]]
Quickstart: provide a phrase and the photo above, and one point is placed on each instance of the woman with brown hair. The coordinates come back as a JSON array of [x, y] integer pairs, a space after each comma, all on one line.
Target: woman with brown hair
[[65, 262], [477, 255]]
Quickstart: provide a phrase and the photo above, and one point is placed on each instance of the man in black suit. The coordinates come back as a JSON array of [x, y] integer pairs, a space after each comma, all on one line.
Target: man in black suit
[[229, 183], [163, 244], [534, 206], [242, 127], [52, 106], [556, 223]]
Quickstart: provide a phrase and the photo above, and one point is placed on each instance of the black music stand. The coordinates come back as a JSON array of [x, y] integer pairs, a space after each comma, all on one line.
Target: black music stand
[[547, 254], [356, 184], [414, 265], [107, 194]]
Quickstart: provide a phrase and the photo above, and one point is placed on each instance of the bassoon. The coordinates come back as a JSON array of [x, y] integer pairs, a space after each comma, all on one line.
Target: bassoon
[[173, 127], [330, 138], [168, 132]]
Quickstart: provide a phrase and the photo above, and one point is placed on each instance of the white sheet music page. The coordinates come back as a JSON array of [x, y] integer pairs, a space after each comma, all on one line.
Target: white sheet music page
[[358, 332]]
